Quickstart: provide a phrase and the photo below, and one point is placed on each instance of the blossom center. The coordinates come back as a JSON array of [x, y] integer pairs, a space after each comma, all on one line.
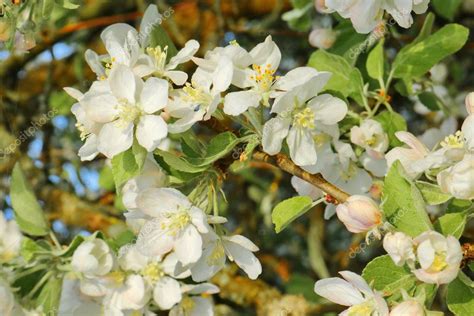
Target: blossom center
[[304, 119], [196, 95], [117, 277], [365, 308], [348, 174], [454, 141], [216, 255], [83, 131], [128, 113], [188, 304], [153, 272], [159, 57], [176, 222], [263, 77], [439, 263]]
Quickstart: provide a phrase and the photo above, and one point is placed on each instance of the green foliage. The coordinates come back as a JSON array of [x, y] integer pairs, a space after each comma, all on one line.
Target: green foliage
[[288, 210], [128, 164], [431, 101], [345, 79], [60, 102], [376, 61], [387, 277], [159, 37], [452, 224], [28, 212], [392, 122], [349, 43], [50, 295], [432, 193], [30, 248], [447, 8], [460, 298], [403, 204], [416, 59]]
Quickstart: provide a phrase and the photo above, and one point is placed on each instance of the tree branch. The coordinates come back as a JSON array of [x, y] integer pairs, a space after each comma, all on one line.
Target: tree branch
[[285, 164]]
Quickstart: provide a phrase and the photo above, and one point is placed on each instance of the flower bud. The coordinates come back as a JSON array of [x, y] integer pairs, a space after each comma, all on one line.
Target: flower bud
[[458, 180], [411, 307], [322, 38], [470, 103], [399, 247], [93, 258], [359, 214]]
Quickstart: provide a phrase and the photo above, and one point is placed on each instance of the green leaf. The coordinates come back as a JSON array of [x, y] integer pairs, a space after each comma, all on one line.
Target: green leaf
[[50, 295], [345, 78], [452, 224], [106, 178], [392, 122], [69, 251], [431, 101], [413, 61], [375, 61], [47, 8], [69, 4], [426, 30], [447, 8], [432, 193], [349, 43], [30, 248], [179, 163], [403, 203], [127, 165], [299, 18], [28, 212], [289, 210], [457, 205], [218, 147], [388, 277], [159, 37], [460, 298]]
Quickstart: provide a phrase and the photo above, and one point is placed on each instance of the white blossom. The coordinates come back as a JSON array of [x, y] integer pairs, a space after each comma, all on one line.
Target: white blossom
[[354, 292], [93, 258], [359, 214], [400, 248], [10, 239]]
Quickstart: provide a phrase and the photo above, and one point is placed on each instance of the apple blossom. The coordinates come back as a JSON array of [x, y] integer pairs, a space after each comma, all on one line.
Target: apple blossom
[[75, 303], [400, 248], [439, 257], [370, 136], [10, 239], [176, 225], [130, 106], [322, 38], [300, 114], [354, 292], [93, 258], [195, 302], [458, 180], [359, 214], [410, 307], [366, 14], [237, 248]]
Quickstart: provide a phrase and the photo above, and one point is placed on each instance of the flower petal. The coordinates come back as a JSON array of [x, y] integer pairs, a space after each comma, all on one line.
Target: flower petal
[[154, 95], [167, 293], [236, 103], [114, 139], [274, 132], [150, 131]]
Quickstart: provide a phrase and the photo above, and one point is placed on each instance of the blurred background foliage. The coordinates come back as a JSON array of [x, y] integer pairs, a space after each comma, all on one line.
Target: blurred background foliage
[[80, 197]]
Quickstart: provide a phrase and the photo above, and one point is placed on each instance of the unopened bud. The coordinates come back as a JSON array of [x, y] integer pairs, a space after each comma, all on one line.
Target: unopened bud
[[322, 38], [470, 103], [411, 307], [359, 214]]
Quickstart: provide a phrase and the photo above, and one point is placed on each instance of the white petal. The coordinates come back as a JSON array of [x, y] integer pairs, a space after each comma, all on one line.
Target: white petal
[[266, 53], [100, 108], [328, 109], [123, 83], [338, 291], [295, 78], [114, 139], [89, 150], [154, 95], [150, 131], [155, 201], [117, 32], [167, 293], [223, 74], [150, 19], [274, 132], [236, 103], [76, 94], [208, 265], [357, 281], [242, 241], [184, 55], [301, 146], [188, 245], [244, 258], [178, 77], [153, 241]]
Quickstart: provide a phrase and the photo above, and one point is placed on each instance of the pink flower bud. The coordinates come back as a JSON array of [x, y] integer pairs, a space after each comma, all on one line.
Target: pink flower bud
[[410, 307], [470, 103], [322, 38], [359, 214]]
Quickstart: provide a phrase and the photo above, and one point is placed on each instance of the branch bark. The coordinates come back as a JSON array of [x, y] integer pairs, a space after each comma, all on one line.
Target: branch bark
[[285, 164]]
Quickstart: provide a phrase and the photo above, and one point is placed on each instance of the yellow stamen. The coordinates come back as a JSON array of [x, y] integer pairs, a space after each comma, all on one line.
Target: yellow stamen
[[454, 141], [304, 119]]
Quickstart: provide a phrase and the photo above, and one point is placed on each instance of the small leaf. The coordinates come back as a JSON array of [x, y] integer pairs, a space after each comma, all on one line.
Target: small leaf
[[403, 203], [414, 61], [159, 37], [392, 122], [457, 205], [460, 298], [30, 248], [452, 224], [388, 277], [28, 212], [289, 210], [447, 8], [431, 101], [432, 193], [179, 163], [127, 165], [345, 78], [375, 61]]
